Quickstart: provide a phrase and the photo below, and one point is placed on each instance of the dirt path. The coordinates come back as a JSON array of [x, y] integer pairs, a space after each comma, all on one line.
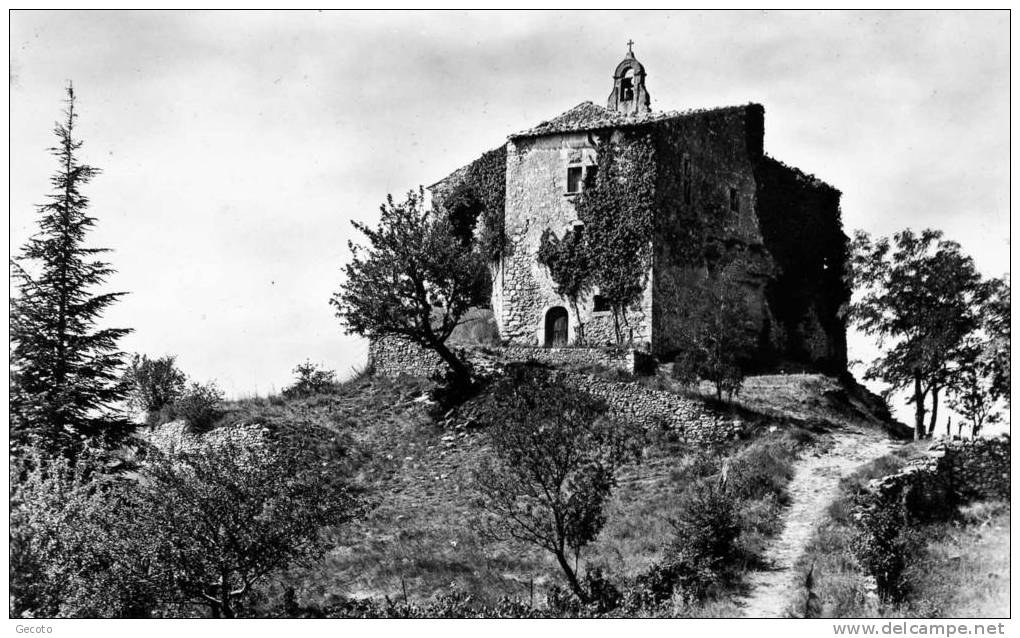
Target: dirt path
[[813, 487]]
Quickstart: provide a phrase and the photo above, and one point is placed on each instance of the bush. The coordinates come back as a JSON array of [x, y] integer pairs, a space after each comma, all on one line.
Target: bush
[[199, 405], [68, 558], [154, 385], [311, 380], [702, 555]]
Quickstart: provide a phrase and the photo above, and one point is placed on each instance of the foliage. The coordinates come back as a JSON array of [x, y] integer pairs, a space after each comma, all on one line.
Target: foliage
[[716, 336], [973, 392], [73, 553], [154, 384], [551, 467], [199, 405], [995, 323], [568, 262], [613, 249], [413, 280], [618, 215], [232, 509], [883, 545], [311, 380], [478, 196], [200, 524], [921, 293], [65, 381]]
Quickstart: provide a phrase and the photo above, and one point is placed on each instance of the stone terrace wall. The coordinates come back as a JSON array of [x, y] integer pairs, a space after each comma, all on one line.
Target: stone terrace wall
[[953, 473], [648, 406], [393, 357], [632, 401]]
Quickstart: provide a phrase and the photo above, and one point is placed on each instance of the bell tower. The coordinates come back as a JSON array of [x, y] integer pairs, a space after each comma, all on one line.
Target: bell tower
[[629, 96]]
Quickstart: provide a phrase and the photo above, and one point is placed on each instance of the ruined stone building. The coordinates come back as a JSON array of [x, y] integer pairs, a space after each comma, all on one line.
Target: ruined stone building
[[715, 191]]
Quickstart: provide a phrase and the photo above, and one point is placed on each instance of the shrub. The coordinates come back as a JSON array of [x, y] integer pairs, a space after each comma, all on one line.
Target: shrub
[[68, 558], [154, 385], [882, 545], [199, 405], [311, 380], [701, 556]]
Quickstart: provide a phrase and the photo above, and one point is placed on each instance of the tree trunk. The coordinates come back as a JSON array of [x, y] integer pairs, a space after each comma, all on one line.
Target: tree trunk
[[575, 584], [580, 326], [460, 371], [918, 407], [934, 410]]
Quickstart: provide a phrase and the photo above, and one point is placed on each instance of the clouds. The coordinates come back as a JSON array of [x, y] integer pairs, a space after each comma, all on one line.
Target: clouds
[[237, 146]]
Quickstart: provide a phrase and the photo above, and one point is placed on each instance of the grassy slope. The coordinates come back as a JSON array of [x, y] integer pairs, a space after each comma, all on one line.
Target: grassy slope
[[419, 537]]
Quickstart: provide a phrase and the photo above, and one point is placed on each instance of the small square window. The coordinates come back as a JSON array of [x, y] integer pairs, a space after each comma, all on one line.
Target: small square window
[[601, 304], [574, 175], [734, 201]]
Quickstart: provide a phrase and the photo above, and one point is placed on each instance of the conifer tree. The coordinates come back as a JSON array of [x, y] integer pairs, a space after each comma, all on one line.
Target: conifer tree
[[65, 378]]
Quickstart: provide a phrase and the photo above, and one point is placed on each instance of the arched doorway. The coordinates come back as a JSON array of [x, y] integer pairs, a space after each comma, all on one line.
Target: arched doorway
[[556, 327]]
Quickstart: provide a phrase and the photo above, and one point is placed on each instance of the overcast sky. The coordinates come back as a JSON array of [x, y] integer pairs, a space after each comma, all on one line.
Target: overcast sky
[[237, 147]]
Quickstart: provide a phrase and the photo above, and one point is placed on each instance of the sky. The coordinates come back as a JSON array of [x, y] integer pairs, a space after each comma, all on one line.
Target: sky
[[237, 147]]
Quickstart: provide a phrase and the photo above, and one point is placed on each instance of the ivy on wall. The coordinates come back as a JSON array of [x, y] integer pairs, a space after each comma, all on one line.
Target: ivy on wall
[[475, 201], [569, 267], [613, 248]]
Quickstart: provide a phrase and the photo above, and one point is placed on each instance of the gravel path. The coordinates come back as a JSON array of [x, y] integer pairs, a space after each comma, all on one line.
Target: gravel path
[[813, 488]]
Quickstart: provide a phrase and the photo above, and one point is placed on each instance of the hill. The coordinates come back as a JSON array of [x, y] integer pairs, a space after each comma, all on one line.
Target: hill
[[415, 463]]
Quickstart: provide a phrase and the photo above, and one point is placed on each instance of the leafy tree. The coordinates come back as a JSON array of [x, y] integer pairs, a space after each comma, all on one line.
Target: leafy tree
[[919, 295], [310, 381], [551, 468], [716, 336], [995, 324], [413, 280], [65, 380], [154, 384], [972, 392], [569, 268], [617, 210]]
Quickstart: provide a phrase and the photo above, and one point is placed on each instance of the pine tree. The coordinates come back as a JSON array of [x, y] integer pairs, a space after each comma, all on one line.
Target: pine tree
[[65, 378]]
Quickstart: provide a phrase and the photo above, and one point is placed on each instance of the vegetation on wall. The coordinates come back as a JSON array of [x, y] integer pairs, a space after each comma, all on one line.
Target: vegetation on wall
[[614, 250], [475, 202], [568, 262]]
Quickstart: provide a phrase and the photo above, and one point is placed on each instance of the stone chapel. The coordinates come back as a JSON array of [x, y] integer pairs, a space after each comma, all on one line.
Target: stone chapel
[[783, 223]]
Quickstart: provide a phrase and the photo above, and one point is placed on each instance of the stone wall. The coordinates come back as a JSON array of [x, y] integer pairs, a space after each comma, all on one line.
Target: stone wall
[[803, 233], [536, 200], [392, 357], [950, 474], [700, 159], [648, 406], [630, 400]]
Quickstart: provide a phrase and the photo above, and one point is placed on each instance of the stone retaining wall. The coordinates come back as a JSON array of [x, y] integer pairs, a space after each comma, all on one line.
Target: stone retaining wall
[[635, 402], [691, 418], [393, 357], [953, 473]]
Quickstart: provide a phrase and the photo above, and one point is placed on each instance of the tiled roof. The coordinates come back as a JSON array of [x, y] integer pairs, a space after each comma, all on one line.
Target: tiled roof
[[587, 116]]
